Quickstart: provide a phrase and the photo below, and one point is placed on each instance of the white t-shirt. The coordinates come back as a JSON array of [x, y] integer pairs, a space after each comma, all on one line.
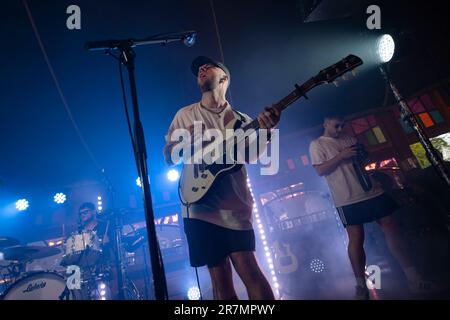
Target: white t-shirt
[[343, 181], [229, 202]]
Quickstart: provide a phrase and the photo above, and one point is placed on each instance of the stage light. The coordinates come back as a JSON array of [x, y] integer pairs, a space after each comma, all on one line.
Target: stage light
[[317, 266], [59, 198], [173, 175], [22, 204], [193, 293], [385, 48], [101, 293], [99, 203]]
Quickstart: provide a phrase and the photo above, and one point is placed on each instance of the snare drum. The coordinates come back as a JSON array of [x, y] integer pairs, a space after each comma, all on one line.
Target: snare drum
[[82, 249], [40, 286]]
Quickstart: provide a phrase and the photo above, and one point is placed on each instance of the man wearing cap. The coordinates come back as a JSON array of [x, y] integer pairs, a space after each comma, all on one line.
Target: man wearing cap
[[219, 226]]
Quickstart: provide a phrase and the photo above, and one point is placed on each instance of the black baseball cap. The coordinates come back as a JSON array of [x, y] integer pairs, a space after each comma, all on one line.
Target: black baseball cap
[[87, 205], [202, 60]]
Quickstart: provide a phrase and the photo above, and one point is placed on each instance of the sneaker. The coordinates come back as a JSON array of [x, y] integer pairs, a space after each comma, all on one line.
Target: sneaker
[[361, 293]]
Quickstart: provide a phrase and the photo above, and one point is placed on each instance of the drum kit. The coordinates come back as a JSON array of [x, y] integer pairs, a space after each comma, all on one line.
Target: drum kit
[[82, 255], [43, 272]]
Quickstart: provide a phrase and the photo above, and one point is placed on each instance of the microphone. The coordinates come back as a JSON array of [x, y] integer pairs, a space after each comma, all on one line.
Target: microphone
[[189, 40]]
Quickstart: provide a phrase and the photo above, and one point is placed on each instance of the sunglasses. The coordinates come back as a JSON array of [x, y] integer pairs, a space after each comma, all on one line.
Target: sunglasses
[[85, 212]]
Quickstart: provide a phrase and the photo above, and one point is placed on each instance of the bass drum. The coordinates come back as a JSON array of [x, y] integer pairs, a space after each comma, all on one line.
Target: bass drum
[[40, 286]]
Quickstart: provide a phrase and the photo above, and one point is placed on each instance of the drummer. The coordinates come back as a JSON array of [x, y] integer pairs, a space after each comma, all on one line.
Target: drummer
[[89, 221]]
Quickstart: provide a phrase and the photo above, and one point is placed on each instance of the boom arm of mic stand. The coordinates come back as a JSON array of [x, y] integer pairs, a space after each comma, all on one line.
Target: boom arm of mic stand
[[162, 39]]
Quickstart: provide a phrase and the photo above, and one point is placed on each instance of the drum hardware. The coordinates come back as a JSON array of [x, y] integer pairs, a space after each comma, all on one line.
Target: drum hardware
[[8, 242], [25, 254]]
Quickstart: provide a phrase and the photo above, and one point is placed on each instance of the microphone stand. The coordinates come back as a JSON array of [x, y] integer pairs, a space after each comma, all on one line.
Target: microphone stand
[[127, 58], [409, 118]]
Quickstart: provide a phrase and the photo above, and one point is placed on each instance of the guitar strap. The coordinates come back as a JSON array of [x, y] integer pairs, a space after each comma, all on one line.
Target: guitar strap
[[241, 116]]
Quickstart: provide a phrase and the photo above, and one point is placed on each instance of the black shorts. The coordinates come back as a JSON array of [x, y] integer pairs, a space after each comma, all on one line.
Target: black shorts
[[367, 211], [209, 244]]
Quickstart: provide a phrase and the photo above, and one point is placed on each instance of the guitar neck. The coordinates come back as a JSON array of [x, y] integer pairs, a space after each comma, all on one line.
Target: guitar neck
[[296, 94]]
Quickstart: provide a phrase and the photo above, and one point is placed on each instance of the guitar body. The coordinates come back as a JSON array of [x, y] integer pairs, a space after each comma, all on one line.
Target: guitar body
[[197, 179]]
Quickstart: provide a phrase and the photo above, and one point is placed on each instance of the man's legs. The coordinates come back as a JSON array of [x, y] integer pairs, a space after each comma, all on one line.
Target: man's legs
[[222, 281], [394, 241], [358, 259], [356, 252], [397, 247], [258, 288]]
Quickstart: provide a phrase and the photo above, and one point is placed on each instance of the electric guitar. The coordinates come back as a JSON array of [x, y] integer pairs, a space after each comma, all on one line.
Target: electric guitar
[[197, 179], [285, 260]]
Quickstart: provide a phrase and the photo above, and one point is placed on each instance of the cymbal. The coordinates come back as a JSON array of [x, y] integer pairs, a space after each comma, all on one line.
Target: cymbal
[[26, 253], [8, 242]]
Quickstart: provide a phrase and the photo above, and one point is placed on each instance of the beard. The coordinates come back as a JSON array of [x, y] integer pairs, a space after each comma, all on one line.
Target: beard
[[208, 85], [88, 220]]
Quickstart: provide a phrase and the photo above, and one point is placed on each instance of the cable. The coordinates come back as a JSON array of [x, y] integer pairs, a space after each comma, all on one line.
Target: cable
[[196, 269], [125, 104], [219, 42], [58, 87], [198, 283]]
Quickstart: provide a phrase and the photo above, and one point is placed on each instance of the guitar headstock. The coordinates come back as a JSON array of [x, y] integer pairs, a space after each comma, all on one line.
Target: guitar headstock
[[338, 69]]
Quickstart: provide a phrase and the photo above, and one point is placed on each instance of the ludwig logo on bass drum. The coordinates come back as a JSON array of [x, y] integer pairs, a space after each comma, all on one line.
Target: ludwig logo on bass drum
[[35, 286]]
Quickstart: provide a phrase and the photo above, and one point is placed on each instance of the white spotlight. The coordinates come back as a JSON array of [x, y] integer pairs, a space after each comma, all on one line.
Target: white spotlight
[[138, 182], [173, 175], [386, 48], [317, 266], [59, 198], [193, 293], [22, 204]]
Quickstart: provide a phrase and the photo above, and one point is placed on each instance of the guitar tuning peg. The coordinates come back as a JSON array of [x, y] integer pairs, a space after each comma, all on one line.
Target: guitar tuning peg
[[344, 77], [336, 83], [354, 72]]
